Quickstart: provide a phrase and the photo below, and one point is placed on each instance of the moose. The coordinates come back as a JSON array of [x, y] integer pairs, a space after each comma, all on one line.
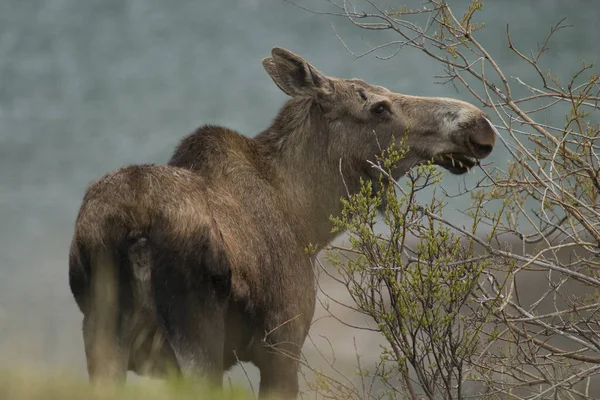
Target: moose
[[194, 266]]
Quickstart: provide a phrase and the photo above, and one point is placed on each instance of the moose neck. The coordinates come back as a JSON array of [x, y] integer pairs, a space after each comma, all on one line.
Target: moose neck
[[307, 166]]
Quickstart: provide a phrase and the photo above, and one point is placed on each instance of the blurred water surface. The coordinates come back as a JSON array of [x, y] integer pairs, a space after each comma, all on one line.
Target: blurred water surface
[[88, 86]]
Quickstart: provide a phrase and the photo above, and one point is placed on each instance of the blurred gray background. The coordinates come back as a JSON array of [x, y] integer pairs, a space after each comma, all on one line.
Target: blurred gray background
[[89, 86]]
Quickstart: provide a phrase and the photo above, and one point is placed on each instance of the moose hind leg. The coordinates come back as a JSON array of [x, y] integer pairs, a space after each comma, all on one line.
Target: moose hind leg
[[194, 329], [107, 353], [191, 292], [106, 319]]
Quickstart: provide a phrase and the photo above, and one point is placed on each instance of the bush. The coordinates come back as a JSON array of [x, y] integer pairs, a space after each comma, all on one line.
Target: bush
[[507, 307]]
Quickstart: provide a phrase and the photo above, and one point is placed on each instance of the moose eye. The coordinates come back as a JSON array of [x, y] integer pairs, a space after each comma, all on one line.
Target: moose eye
[[380, 108]]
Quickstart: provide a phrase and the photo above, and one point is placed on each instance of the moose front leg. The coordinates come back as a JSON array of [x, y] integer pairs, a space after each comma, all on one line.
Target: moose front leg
[[279, 375], [278, 358]]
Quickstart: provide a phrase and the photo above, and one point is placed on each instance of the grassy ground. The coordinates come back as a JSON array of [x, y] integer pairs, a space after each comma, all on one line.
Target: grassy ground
[[25, 385]]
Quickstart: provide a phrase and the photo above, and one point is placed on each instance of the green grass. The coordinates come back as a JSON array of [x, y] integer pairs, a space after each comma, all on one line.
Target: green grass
[[26, 385]]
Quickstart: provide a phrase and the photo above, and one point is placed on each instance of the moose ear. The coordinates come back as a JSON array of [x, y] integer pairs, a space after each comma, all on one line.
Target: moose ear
[[294, 76]]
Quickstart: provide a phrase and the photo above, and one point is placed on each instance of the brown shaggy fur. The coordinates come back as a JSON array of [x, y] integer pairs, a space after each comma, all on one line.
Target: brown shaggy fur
[[193, 266]]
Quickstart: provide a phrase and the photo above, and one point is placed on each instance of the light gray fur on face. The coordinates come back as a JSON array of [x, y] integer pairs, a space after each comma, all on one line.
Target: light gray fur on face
[[454, 113]]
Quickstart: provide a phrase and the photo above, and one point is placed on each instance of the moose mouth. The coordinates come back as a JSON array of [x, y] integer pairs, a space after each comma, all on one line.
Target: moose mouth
[[456, 163]]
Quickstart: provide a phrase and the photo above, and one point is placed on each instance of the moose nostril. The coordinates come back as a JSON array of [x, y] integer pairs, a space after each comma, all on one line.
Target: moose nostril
[[481, 149]]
